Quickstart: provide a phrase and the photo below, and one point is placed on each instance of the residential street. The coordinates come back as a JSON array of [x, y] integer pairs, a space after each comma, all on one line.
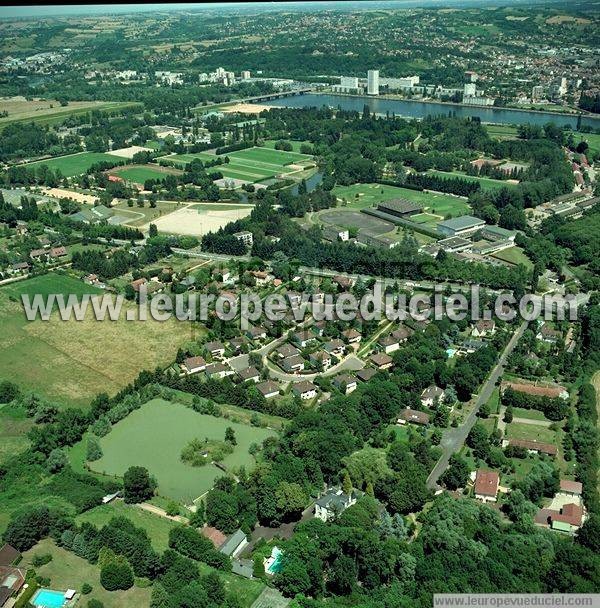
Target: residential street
[[454, 438]]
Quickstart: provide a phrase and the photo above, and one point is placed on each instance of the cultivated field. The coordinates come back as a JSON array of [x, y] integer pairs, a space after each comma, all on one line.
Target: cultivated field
[[154, 435], [72, 361], [251, 165], [359, 196], [40, 111], [140, 173], [75, 164], [198, 219]]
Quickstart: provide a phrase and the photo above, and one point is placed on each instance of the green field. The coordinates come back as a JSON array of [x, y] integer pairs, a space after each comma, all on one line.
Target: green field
[[154, 435], [502, 131], [370, 194], [521, 430], [14, 425], [270, 143], [514, 255], [487, 183], [139, 174], [68, 361], [76, 164], [424, 218], [157, 527], [519, 412], [252, 164], [593, 140]]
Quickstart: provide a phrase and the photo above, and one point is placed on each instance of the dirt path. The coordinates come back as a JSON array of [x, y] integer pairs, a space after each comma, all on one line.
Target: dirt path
[[162, 513]]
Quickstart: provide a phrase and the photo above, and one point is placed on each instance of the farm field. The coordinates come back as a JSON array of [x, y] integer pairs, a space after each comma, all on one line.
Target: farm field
[[198, 219], [21, 110], [370, 194], [252, 164], [154, 435], [521, 430], [157, 527], [486, 182], [75, 164], [513, 255], [70, 362], [69, 571], [140, 173]]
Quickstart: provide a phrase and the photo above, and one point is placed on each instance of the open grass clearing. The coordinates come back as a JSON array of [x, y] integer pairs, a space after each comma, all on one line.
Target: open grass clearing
[[520, 412], [154, 435], [156, 526], [198, 219], [75, 164], [487, 183], [140, 173], [296, 145], [137, 216], [513, 255], [70, 362], [521, 430], [14, 425], [69, 571]]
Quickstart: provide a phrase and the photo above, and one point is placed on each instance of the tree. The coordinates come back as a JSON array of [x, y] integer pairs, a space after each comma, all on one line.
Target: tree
[[230, 436], [8, 391], [291, 499], [347, 483], [589, 534], [508, 414], [138, 485], [343, 575], [152, 230], [57, 459], [116, 574], [457, 475], [94, 451]]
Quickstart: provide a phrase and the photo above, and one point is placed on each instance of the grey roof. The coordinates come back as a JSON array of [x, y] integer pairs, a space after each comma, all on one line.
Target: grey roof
[[232, 543], [400, 205], [243, 567], [462, 222]]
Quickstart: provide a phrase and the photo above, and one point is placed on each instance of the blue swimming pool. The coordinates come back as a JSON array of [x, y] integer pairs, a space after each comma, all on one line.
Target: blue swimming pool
[[46, 598]]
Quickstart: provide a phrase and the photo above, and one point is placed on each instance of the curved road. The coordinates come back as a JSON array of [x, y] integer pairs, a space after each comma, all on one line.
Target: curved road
[[454, 438]]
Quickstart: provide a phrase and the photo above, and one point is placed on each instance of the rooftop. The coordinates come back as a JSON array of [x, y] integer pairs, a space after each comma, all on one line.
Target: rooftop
[[462, 223]]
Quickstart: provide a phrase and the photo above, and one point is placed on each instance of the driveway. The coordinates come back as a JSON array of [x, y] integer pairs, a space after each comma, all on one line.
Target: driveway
[[454, 438]]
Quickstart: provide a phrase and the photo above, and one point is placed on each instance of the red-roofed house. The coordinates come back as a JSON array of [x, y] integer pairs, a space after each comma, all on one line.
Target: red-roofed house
[[572, 488], [486, 485]]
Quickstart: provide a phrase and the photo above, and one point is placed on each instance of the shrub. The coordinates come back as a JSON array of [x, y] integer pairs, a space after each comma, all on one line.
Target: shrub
[[39, 560], [86, 589], [94, 603], [117, 574]]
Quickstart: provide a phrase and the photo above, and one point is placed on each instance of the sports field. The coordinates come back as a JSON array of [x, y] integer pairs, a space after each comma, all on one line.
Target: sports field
[[76, 164], [359, 196], [70, 362], [140, 173], [198, 219], [154, 435], [486, 182], [252, 164]]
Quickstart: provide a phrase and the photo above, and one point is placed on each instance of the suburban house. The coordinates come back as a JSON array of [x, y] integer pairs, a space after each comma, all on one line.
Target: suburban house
[[318, 328], [215, 536], [484, 328], [12, 579], [256, 333], [333, 503], [58, 252], [303, 338], [305, 389], [381, 360], [352, 336], [216, 349], [415, 416], [470, 346], [237, 344], [431, 395], [261, 277], [388, 344], [218, 370], [321, 358], [334, 347], [293, 364], [286, 350], [138, 283], [343, 283], [268, 389], [365, 374], [486, 485], [234, 545], [536, 390], [346, 383], [333, 233], [193, 365], [402, 334], [571, 488], [548, 334], [250, 373], [532, 446], [243, 567], [569, 519]]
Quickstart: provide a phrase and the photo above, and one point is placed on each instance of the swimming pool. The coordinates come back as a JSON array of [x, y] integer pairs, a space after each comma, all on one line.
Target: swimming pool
[[46, 598], [450, 352]]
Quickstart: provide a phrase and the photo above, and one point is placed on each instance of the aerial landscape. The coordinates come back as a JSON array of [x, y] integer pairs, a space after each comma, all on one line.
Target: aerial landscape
[[300, 304]]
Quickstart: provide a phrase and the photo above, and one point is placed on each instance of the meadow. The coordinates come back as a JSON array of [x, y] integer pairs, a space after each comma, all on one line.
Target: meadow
[[270, 143], [252, 164], [513, 255], [75, 164], [154, 435], [140, 173], [70, 362], [359, 196], [522, 430]]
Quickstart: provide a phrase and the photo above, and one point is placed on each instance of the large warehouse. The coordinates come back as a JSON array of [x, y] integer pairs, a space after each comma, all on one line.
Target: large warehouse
[[460, 226], [400, 207]]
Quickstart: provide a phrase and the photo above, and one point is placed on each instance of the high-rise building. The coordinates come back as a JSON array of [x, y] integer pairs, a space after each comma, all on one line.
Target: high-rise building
[[245, 75], [349, 82], [537, 92], [373, 82], [470, 90]]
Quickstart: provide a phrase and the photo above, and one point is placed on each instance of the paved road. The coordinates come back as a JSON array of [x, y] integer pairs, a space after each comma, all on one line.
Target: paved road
[[454, 438]]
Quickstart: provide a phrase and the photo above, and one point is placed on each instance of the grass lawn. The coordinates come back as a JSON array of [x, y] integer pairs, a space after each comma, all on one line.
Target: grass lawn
[[270, 143], [70, 362], [519, 412], [157, 527], [514, 255], [143, 215], [502, 131], [494, 401], [139, 174], [425, 218], [154, 435], [487, 183], [592, 139], [370, 194], [14, 425], [520, 430], [76, 164], [269, 156], [68, 571]]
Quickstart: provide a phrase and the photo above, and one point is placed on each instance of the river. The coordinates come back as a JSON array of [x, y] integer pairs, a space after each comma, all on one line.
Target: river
[[418, 109]]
